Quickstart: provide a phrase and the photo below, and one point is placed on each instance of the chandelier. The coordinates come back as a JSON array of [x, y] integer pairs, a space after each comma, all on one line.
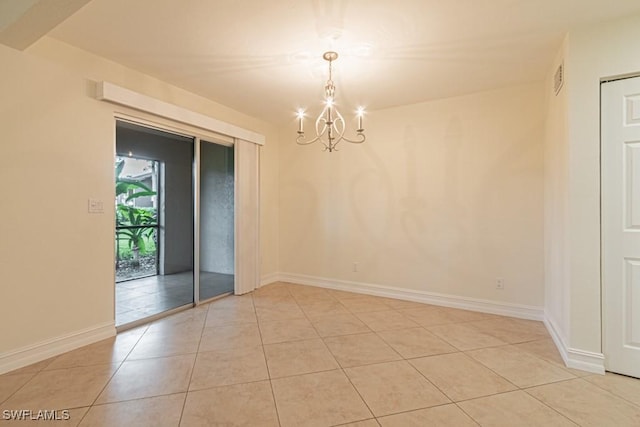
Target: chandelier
[[330, 125]]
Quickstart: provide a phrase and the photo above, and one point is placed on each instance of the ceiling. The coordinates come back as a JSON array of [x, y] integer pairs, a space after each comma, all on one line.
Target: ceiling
[[263, 57]]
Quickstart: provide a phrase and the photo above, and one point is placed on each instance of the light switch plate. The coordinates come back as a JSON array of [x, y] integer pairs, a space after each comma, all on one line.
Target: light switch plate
[[96, 206]]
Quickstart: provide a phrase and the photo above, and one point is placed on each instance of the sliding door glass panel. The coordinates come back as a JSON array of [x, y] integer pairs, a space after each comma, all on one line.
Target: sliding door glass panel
[[154, 227], [216, 220], [136, 218]]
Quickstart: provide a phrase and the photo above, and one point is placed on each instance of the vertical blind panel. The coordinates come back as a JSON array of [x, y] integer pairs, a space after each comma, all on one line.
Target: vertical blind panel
[[247, 217]]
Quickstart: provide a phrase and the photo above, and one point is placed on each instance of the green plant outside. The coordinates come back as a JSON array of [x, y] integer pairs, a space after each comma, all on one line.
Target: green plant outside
[[132, 242], [125, 251]]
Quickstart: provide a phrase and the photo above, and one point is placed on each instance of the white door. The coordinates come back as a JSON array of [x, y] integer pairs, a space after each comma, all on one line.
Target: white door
[[620, 152]]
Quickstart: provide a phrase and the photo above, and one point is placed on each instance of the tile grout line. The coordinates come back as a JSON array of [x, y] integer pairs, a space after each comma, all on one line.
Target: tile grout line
[[93, 403], [547, 405], [34, 374], [131, 400], [193, 367], [614, 395], [19, 388], [264, 355], [536, 357], [466, 413], [340, 367], [611, 392]]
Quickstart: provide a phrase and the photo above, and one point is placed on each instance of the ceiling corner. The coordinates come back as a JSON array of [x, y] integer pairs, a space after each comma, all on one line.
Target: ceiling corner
[[24, 22]]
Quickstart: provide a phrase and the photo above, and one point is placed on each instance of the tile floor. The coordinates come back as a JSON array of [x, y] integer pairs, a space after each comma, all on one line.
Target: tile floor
[[291, 355], [144, 297]]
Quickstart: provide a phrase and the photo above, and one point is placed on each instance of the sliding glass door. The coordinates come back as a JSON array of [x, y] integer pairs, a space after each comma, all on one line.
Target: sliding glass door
[[154, 222], [160, 179]]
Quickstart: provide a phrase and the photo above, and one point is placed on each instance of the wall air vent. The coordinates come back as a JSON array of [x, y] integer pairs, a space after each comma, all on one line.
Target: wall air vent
[[558, 78]]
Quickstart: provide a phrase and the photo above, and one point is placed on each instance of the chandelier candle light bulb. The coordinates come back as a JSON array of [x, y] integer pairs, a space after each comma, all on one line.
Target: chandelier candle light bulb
[[300, 121], [330, 126]]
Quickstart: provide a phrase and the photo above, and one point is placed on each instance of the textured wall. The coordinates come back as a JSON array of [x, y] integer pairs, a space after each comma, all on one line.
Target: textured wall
[[216, 209]]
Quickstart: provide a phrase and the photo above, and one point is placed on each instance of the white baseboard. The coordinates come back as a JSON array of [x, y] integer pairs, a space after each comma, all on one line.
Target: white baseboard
[[585, 360], [557, 337], [269, 278], [52, 347], [485, 306], [574, 358]]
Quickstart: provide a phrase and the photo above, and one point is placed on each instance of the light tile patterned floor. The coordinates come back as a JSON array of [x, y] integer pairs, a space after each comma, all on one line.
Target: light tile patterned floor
[[291, 355]]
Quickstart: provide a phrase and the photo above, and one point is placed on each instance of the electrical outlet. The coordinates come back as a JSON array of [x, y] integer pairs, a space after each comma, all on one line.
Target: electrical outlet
[[500, 283], [355, 267]]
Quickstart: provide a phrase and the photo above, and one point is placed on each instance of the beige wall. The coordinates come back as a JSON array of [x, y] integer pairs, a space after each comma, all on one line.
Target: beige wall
[[96, 68], [556, 155], [443, 197], [57, 268], [56, 260], [594, 53]]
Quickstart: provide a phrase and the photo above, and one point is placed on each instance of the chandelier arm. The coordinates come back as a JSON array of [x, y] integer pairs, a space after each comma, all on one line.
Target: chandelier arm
[[322, 120], [319, 134], [325, 129], [359, 141], [353, 141], [300, 140], [339, 120], [343, 127], [341, 136]]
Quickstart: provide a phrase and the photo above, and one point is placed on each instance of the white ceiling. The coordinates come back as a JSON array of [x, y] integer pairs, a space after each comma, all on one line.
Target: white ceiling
[[263, 57]]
